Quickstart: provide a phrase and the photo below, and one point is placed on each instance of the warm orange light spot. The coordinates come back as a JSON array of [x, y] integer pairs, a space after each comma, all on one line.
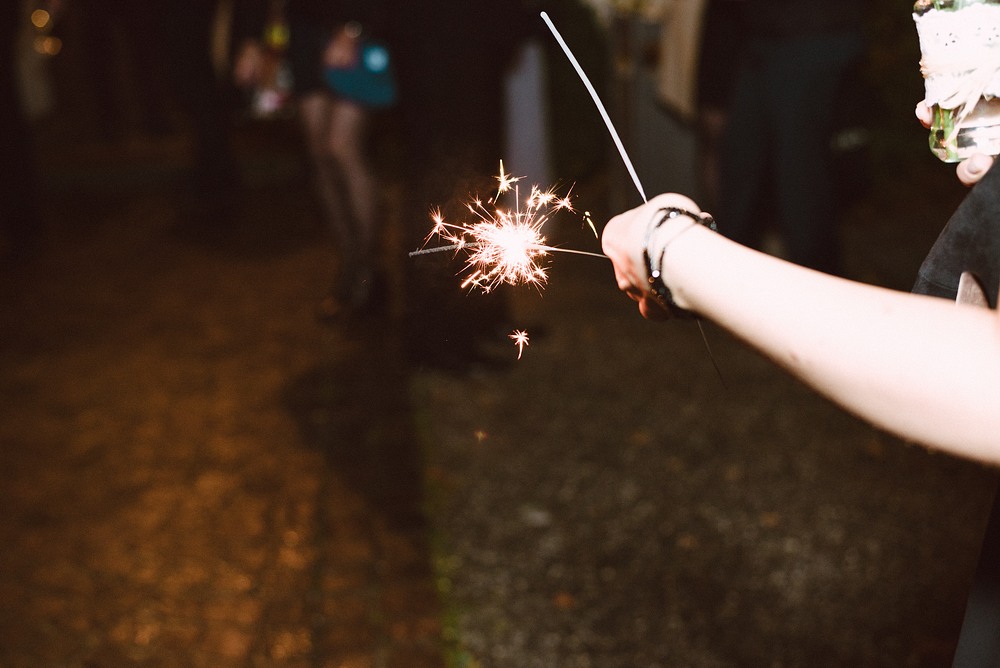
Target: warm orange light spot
[[40, 18]]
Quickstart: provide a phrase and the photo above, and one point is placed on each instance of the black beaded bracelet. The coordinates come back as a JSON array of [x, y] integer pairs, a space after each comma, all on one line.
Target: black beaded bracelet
[[657, 287]]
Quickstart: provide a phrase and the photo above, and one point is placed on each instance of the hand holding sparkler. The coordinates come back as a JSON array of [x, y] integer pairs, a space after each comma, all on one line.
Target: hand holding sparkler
[[917, 366], [637, 241], [507, 246], [928, 383]]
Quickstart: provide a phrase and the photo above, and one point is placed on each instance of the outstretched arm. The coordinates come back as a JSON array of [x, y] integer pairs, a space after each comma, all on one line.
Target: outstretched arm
[[923, 368]]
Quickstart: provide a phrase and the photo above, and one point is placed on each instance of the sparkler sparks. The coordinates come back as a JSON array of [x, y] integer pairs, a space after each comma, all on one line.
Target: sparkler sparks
[[505, 181], [503, 245], [520, 339]]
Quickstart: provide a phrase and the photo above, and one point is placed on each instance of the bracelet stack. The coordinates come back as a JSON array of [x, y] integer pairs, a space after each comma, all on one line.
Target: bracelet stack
[[657, 287]]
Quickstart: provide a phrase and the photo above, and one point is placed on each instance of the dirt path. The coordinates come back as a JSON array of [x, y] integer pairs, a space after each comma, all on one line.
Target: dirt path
[[183, 474]]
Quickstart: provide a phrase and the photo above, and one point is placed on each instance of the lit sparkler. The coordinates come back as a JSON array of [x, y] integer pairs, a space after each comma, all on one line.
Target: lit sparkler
[[508, 246], [503, 245]]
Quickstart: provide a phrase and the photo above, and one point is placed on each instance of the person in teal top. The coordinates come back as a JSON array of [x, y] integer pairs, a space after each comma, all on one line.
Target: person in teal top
[[323, 34]]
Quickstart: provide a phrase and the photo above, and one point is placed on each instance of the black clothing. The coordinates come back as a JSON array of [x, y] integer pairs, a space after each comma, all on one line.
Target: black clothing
[[969, 242]]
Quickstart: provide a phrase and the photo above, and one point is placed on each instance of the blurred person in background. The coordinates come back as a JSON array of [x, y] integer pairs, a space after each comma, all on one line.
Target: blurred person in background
[[324, 34], [776, 144], [722, 35]]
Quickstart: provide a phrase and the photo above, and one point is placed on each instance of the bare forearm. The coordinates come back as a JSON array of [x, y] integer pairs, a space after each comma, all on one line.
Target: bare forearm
[[924, 368]]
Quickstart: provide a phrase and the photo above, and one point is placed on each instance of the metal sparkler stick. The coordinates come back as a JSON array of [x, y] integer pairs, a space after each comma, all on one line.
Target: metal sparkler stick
[[439, 249], [454, 247], [597, 101], [621, 149]]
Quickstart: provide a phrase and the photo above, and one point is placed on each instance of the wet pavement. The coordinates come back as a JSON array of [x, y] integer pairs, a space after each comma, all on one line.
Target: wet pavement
[[195, 472]]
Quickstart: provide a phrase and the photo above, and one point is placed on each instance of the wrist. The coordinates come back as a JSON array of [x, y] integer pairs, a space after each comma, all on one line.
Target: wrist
[[667, 224]]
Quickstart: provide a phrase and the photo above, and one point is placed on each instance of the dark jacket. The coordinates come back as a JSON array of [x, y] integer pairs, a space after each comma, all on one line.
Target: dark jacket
[[969, 242]]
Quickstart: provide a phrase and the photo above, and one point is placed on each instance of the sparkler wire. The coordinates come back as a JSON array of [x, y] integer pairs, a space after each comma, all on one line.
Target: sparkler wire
[[440, 249], [597, 101], [621, 150], [452, 247]]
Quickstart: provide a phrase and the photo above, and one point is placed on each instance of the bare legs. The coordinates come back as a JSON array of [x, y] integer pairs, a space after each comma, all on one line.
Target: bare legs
[[335, 137]]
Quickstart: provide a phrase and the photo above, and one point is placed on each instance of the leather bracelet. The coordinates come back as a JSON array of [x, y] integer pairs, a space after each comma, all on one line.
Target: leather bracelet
[[657, 287]]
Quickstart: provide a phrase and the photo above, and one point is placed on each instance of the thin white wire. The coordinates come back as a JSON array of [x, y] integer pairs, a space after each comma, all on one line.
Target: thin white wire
[[621, 150], [597, 101]]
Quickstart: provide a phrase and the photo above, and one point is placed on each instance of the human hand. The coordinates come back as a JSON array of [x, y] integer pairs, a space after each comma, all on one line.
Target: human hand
[[969, 171], [342, 50], [248, 66], [624, 241]]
